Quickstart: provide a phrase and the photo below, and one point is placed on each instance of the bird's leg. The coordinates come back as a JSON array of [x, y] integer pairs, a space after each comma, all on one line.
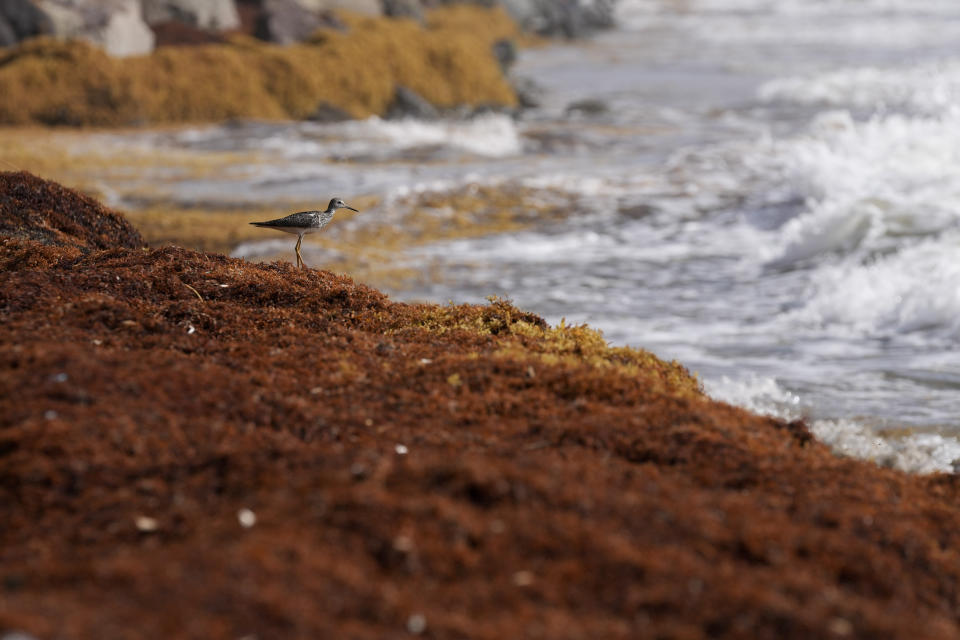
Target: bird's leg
[[299, 257]]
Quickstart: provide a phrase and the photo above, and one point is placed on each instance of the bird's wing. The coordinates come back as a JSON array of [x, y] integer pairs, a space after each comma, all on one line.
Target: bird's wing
[[300, 219]]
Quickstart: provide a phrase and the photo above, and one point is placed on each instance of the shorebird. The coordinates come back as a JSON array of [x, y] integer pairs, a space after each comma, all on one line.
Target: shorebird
[[305, 222]]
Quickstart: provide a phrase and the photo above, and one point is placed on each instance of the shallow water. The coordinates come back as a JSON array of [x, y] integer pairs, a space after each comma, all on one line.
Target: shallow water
[[772, 197]]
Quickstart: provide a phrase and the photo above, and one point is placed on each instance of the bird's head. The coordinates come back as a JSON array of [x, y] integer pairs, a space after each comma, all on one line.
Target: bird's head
[[337, 203]]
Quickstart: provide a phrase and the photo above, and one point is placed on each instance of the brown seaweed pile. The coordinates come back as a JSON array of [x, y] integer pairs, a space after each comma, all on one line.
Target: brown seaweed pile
[[448, 61], [32, 208], [194, 446]]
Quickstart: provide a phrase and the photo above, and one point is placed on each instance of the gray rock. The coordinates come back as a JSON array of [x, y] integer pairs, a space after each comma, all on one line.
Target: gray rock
[[405, 8], [368, 7], [115, 25], [7, 35], [20, 19], [407, 103], [530, 94], [505, 51], [285, 22], [590, 107], [599, 14], [216, 15], [326, 112], [637, 211], [569, 18]]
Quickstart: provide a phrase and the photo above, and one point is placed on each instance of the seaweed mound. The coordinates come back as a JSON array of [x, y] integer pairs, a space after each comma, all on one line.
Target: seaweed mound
[[449, 62], [36, 209], [195, 446]]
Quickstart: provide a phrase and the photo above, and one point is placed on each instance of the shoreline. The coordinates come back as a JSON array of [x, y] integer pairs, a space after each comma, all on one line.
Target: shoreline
[[449, 61]]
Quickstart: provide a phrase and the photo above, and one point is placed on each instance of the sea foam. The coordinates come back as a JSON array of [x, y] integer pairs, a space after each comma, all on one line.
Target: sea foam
[[890, 23], [862, 182], [491, 135], [915, 453], [916, 289], [932, 88]]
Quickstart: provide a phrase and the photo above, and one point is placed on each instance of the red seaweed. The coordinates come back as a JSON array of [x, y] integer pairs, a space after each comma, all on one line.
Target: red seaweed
[[195, 446]]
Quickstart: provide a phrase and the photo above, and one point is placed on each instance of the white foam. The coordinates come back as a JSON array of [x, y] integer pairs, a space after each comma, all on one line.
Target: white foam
[[886, 23], [916, 453], [490, 135], [863, 183], [759, 394], [914, 289], [879, 205], [929, 88]]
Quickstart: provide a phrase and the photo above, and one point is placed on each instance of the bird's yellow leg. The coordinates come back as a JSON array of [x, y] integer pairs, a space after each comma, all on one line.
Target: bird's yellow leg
[[299, 257]]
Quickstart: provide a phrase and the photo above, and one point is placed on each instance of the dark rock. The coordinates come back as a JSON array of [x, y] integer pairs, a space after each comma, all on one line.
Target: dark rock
[[249, 12], [175, 33], [217, 15], [410, 104], [7, 35], [20, 19], [598, 14], [404, 9], [568, 18], [588, 107], [637, 211], [285, 22], [326, 112], [505, 51]]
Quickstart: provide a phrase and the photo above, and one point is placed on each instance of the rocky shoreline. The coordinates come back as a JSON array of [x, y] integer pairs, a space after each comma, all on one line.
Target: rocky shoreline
[[135, 27], [454, 61], [354, 73], [201, 447], [135, 62]]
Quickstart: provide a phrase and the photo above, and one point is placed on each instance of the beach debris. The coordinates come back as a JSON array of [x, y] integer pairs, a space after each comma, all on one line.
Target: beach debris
[[246, 518], [146, 524], [403, 543], [416, 623], [197, 293], [523, 578]]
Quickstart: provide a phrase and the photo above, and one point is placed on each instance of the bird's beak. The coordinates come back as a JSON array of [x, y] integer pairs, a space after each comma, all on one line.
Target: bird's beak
[[352, 209]]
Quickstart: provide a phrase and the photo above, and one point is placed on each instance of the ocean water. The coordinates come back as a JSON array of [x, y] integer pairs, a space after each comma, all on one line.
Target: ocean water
[[766, 190], [771, 199]]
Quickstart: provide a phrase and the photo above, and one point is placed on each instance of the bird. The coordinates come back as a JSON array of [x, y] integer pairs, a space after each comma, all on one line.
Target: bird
[[304, 222]]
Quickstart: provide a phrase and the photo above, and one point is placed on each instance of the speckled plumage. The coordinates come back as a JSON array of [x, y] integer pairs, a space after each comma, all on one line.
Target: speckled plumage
[[304, 222], [301, 222]]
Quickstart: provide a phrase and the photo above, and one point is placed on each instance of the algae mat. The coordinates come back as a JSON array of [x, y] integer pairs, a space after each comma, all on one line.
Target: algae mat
[[203, 447]]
